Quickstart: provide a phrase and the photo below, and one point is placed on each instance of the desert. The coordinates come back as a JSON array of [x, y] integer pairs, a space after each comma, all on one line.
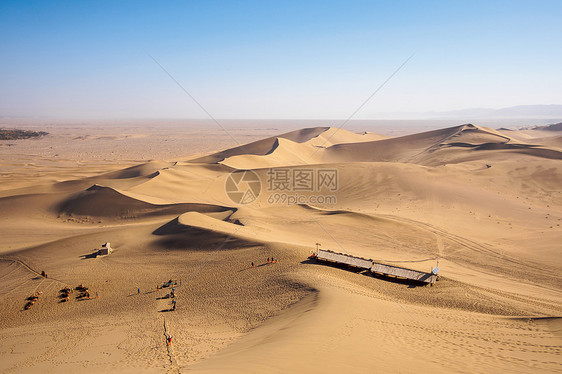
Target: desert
[[483, 204], [280, 187]]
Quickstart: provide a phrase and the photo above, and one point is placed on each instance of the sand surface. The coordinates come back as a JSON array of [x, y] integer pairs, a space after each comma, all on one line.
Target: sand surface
[[485, 203]]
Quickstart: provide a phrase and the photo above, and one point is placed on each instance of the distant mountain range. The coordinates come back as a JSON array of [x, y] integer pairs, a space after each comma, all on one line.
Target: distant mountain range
[[510, 112], [519, 111], [555, 127]]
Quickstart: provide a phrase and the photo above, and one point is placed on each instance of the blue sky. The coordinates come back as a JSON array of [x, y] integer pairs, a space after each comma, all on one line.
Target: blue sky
[[250, 59]]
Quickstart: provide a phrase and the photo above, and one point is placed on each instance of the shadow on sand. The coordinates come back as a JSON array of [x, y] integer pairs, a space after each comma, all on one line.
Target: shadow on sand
[[256, 266], [90, 255], [367, 273]]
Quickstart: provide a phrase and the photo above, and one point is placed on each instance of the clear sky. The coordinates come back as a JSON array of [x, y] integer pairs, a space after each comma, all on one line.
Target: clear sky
[[284, 59]]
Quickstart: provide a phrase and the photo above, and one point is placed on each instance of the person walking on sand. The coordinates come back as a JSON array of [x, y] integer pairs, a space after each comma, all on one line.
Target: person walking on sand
[[138, 290], [253, 265]]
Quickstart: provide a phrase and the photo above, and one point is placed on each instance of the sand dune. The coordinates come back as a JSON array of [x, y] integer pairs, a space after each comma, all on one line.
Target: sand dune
[[484, 203], [262, 147], [98, 201], [293, 148], [434, 147], [145, 170]]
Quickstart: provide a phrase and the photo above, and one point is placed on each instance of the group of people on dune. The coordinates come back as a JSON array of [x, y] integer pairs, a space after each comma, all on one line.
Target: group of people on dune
[[269, 261], [172, 293]]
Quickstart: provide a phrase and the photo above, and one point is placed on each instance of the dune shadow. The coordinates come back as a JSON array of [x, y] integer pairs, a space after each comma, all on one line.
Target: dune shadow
[[200, 240], [92, 202], [529, 149], [175, 235], [336, 265], [537, 318]]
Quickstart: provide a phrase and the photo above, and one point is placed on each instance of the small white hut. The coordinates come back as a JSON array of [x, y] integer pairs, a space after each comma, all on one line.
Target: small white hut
[[105, 250]]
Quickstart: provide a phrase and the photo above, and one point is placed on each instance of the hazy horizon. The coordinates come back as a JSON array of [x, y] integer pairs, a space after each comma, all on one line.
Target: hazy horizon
[[386, 127]]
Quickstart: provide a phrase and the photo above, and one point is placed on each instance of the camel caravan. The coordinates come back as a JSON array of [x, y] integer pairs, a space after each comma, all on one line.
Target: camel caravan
[[83, 293], [31, 300], [64, 294]]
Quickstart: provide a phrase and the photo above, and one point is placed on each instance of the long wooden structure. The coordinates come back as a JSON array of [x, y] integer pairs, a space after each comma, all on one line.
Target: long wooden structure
[[342, 258], [375, 267], [400, 272]]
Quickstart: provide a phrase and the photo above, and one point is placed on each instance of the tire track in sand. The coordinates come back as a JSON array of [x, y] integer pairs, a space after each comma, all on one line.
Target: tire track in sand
[[29, 268]]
